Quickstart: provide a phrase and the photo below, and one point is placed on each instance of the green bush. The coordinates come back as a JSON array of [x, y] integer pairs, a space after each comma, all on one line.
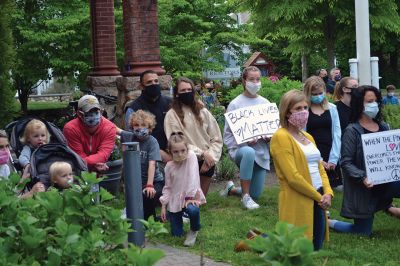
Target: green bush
[[67, 228], [391, 115], [270, 90], [286, 245]]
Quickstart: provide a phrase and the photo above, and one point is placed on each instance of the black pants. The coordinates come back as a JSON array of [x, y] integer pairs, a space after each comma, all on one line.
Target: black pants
[[149, 205]]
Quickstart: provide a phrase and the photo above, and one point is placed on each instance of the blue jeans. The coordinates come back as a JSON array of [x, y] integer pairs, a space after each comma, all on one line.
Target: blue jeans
[[319, 226], [250, 170], [176, 221], [364, 226]]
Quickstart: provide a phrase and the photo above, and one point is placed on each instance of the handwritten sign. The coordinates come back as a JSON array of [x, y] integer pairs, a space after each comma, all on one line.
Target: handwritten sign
[[382, 156], [253, 121]]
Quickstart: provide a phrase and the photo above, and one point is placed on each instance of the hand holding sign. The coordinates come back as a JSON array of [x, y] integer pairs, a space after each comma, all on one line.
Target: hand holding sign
[[253, 122]]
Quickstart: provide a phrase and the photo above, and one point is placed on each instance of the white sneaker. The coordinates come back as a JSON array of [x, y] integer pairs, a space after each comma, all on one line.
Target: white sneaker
[[228, 187], [249, 203], [190, 238]]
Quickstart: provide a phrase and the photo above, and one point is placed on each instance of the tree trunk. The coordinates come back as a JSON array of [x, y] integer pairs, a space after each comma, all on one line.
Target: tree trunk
[[329, 34], [23, 90], [304, 66]]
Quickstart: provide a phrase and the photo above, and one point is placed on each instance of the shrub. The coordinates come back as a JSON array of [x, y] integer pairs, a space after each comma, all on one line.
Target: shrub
[[226, 168], [273, 91], [67, 228], [286, 245], [391, 115]]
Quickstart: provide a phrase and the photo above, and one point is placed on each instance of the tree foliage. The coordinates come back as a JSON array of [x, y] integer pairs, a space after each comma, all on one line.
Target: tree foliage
[[193, 35], [51, 34], [7, 102]]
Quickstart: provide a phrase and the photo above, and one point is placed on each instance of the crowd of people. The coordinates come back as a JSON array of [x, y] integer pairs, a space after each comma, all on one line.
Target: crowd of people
[[316, 150]]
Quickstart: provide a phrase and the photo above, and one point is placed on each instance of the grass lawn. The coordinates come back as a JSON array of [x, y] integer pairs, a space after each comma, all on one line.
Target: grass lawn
[[224, 222], [46, 105]]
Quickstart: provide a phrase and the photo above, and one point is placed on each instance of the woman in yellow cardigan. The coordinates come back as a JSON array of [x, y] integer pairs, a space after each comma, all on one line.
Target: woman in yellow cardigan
[[305, 192]]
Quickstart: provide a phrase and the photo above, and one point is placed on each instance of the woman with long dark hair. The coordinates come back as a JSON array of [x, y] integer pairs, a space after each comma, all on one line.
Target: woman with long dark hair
[[189, 115]]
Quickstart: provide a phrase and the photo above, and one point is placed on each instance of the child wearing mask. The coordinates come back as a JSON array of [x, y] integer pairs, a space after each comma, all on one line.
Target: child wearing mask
[[142, 124], [182, 191], [4, 155], [61, 175], [390, 98], [35, 135]]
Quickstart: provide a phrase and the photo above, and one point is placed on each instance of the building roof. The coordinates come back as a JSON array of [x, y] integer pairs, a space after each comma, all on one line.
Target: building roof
[[257, 58]]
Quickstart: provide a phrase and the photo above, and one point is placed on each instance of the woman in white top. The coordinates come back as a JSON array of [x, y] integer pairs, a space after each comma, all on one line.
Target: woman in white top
[[252, 157]]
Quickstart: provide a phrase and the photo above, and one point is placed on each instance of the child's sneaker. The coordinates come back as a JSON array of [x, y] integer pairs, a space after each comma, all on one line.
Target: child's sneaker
[[190, 238], [249, 203], [228, 187]]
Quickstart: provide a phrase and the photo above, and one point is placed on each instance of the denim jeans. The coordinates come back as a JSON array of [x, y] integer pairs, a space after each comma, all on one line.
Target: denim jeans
[[250, 170], [176, 221], [319, 225]]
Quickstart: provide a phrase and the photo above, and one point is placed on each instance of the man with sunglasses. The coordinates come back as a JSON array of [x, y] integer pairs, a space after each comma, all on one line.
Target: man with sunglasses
[[91, 135]]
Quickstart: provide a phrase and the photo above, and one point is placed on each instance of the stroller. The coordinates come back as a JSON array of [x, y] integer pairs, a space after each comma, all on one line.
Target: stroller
[[44, 156]]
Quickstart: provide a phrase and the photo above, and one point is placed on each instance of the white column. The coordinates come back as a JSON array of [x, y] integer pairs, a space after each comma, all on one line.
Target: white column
[[363, 42]]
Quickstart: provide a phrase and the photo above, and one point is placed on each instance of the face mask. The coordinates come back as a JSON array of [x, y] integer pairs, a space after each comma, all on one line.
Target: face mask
[[179, 158], [317, 99], [253, 87], [152, 91], [325, 79], [371, 109], [141, 133], [338, 77], [91, 119], [186, 97], [4, 156], [299, 119], [390, 94]]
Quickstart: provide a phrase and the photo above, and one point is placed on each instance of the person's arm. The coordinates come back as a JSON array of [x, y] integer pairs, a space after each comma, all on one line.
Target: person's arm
[[166, 192], [25, 156], [284, 160], [149, 190], [165, 156], [106, 147], [349, 151], [216, 143], [128, 114], [334, 154]]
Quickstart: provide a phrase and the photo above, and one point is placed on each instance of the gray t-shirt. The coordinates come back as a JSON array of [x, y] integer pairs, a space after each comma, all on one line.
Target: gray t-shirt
[[149, 151]]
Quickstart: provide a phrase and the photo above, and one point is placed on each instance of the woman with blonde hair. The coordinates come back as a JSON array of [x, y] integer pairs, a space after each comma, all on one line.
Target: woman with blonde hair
[[304, 186], [342, 98], [324, 125]]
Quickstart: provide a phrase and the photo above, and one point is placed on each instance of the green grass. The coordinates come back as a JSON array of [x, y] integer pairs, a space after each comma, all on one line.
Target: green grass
[[46, 105], [224, 222]]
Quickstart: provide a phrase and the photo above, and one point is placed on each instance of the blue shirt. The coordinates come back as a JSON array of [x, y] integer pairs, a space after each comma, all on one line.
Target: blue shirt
[[390, 100]]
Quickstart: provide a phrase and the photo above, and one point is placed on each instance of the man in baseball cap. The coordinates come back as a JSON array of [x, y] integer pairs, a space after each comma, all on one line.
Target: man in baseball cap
[[91, 135]]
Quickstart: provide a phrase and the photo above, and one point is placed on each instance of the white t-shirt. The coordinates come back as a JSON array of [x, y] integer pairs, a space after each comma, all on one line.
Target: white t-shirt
[[313, 157]]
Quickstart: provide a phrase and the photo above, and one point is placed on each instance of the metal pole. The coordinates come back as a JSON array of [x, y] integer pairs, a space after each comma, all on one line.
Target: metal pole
[[363, 42], [133, 192]]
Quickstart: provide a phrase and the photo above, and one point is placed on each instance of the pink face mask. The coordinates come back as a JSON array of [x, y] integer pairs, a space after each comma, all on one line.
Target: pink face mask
[[4, 156], [299, 119]]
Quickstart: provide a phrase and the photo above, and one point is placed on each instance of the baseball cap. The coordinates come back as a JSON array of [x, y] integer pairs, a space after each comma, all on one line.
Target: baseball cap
[[88, 102]]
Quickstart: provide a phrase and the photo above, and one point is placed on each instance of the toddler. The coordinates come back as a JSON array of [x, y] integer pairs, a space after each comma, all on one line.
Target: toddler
[[35, 135], [182, 190], [390, 98], [4, 155], [61, 175], [142, 124]]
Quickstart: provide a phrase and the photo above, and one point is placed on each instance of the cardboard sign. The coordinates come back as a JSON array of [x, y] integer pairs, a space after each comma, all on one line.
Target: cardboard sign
[[382, 156], [253, 121]]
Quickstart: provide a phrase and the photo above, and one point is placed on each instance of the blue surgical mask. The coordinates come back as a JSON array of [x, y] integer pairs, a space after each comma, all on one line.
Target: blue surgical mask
[[317, 99], [141, 133], [371, 109], [92, 119]]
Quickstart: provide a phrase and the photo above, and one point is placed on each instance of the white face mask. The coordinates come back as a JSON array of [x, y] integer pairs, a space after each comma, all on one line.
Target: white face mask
[[253, 87], [390, 94]]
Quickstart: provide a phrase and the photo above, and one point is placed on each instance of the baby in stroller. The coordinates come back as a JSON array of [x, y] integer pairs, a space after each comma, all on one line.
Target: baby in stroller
[[53, 150]]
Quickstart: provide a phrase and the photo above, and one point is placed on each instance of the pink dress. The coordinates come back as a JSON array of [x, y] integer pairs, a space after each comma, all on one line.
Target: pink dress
[[182, 180]]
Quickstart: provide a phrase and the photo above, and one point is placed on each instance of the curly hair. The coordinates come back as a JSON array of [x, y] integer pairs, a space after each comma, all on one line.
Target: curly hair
[[31, 127], [143, 117], [196, 106]]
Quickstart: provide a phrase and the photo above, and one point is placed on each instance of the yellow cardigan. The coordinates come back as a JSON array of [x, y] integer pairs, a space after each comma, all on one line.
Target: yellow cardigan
[[297, 195]]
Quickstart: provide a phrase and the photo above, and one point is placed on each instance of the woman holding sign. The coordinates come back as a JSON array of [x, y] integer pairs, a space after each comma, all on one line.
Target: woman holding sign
[[304, 186], [252, 157], [188, 115], [361, 198]]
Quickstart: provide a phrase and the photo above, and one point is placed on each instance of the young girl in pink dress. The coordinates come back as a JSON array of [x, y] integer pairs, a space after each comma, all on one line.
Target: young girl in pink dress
[[182, 190]]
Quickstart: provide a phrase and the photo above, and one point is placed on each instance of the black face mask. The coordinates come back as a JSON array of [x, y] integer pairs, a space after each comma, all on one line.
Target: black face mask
[[152, 92], [186, 97], [325, 79]]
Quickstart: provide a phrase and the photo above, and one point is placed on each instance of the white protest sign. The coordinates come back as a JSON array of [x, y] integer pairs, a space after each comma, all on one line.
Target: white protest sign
[[382, 156], [253, 121]]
